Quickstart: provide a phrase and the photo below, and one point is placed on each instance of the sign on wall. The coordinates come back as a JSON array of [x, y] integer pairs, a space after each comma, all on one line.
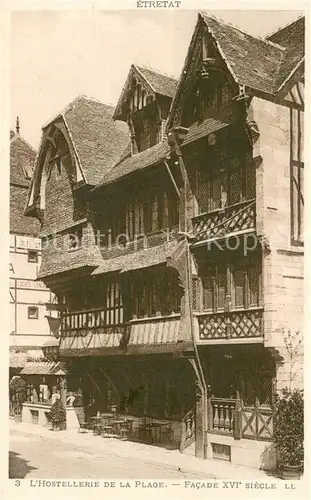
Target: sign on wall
[[28, 243]]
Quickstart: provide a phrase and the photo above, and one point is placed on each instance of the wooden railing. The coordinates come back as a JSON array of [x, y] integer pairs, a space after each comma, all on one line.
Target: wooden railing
[[187, 429], [221, 415], [91, 319], [231, 325], [231, 417], [219, 223]]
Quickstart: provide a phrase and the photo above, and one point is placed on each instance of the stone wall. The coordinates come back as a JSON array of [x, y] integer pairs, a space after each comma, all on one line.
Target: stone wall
[[283, 264]]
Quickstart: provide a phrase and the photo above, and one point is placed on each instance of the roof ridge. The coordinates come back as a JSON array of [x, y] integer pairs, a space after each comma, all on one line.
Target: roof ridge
[[284, 27], [221, 21], [18, 136], [71, 105], [162, 73]]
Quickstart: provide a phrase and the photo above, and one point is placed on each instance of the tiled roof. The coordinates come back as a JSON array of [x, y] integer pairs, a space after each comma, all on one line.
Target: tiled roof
[[19, 223], [253, 62], [146, 158], [198, 130], [292, 38], [97, 139], [22, 159], [160, 83], [59, 261], [144, 258]]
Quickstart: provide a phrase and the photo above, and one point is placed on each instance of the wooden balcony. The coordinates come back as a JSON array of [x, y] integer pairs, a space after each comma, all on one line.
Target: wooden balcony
[[236, 219], [89, 320], [95, 332], [231, 327]]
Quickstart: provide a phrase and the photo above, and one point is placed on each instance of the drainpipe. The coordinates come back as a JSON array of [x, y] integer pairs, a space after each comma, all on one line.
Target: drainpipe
[[197, 364]]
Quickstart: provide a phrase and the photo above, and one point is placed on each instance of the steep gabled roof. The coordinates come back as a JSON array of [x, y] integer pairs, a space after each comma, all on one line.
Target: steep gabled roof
[[154, 82], [161, 83], [22, 160], [292, 38], [253, 61], [259, 64], [97, 139]]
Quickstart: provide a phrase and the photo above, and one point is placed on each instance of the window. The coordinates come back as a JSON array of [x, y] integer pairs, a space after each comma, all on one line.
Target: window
[[225, 181], [297, 175], [214, 289], [75, 239], [244, 286], [151, 212], [33, 256], [33, 312], [114, 306], [156, 294]]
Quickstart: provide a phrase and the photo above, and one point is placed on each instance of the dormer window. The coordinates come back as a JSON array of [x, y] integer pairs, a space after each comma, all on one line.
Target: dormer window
[[146, 127]]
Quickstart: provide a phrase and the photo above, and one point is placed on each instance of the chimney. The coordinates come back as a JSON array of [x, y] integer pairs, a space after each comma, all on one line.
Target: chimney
[[17, 125]]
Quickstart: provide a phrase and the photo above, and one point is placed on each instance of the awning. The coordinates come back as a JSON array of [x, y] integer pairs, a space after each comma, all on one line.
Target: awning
[[97, 343], [43, 368], [156, 335], [199, 130], [53, 342], [148, 257], [20, 359]]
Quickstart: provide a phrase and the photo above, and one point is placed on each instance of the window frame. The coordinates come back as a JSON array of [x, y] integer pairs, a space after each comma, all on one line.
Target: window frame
[[35, 315], [36, 259], [212, 273]]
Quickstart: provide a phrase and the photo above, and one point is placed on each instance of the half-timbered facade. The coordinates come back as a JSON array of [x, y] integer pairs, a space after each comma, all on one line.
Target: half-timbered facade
[[173, 235]]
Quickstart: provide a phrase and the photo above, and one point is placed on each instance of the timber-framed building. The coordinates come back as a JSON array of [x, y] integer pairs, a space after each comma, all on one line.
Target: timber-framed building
[[172, 234]]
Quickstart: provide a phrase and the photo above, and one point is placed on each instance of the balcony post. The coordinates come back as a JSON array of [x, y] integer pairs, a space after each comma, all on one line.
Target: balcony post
[[237, 420]]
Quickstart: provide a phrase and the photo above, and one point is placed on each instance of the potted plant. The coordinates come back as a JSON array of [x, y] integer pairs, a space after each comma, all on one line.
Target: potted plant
[[288, 433], [58, 415]]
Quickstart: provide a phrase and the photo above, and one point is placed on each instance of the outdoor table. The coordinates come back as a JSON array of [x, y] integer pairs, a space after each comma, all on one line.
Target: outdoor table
[[157, 426], [96, 421]]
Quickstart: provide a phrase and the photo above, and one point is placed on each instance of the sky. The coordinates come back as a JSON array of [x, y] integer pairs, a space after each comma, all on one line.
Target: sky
[[58, 55]]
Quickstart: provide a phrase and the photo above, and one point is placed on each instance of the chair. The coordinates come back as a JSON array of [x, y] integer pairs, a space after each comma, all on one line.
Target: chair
[[106, 427], [167, 435], [143, 429], [84, 426]]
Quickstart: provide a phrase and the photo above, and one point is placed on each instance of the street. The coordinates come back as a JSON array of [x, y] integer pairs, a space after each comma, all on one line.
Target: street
[[35, 456]]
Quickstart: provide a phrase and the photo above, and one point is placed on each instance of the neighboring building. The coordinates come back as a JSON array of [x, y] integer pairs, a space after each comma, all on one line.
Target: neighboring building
[[177, 256], [29, 327]]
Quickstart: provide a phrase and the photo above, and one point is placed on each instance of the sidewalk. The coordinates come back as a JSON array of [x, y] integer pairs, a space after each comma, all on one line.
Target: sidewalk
[[152, 455]]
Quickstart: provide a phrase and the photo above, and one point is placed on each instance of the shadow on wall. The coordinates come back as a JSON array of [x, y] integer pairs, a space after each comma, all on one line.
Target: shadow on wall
[[18, 467], [268, 458]]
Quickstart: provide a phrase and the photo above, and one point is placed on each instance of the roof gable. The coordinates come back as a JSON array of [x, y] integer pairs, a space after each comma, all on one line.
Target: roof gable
[[152, 83], [252, 61], [255, 63], [292, 38], [94, 140], [22, 160], [97, 139], [160, 83]]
